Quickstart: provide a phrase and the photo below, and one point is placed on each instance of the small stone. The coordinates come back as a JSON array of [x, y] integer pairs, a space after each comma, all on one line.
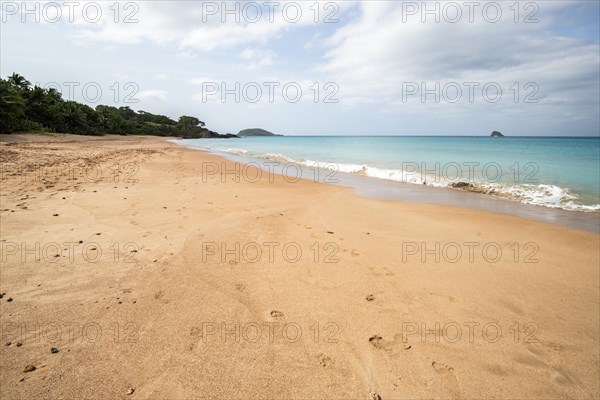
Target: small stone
[[19, 344], [130, 391], [7, 344], [22, 379], [375, 396], [55, 215], [276, 314], [81, 241], [330, 232], [29, 368], [407, 347], [10, 299], [1, 296], [370, 297], [375, 340], [54, 350]]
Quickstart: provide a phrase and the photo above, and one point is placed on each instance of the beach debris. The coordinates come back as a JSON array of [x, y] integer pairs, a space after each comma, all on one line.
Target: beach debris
[[276, 314], [130, 391], [9, 299], [19, 344], [407, 347], [376, 341], [29, 368], [330, 232], [370, 297], [54, 350], [7, 344], [324, 360], [375, 396]]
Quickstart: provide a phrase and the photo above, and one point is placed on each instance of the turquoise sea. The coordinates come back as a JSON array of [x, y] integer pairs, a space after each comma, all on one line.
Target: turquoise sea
[[557, 172]]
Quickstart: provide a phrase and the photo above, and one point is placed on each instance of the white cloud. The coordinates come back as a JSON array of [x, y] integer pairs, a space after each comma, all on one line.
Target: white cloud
[[373, 56], [159, 95]]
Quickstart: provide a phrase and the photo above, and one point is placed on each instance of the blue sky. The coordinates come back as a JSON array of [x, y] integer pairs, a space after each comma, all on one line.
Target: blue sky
[[391, 68]]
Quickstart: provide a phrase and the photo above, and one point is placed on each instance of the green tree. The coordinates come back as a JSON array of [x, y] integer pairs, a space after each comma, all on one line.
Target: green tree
[[12, 108], [19, 81]]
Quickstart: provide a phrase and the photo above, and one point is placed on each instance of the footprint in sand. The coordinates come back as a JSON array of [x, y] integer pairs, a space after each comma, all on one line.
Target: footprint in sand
[[446, 373], [379, 343], [324, 360]]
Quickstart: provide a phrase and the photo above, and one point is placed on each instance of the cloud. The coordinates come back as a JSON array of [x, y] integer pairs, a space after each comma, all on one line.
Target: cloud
[[257, 58], [159, 95], [374, 56], [205, 26]]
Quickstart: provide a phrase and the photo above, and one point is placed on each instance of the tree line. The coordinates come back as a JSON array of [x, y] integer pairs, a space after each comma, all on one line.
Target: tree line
[[24, 107]]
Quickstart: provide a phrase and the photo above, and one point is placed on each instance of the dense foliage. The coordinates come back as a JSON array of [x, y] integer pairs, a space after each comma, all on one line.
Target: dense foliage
[[27, 108]]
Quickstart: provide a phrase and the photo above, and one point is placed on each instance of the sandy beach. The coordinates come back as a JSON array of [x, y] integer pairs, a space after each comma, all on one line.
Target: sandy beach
[[156, 271]]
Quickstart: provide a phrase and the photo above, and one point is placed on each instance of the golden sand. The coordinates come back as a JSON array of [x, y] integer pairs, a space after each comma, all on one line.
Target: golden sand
[[156, 276]]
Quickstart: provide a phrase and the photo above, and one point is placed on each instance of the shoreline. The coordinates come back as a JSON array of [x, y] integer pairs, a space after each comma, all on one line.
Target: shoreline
[[313, 290], [403, 191]]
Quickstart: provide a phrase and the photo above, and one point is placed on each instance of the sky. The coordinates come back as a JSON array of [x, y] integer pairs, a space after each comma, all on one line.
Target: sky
[[321, 67]]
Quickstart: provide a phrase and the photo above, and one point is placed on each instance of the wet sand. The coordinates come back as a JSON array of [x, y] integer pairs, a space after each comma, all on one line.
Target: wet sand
[[157, 272]]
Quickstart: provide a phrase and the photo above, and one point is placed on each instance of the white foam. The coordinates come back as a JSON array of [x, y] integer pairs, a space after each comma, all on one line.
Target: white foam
[[542, 195]]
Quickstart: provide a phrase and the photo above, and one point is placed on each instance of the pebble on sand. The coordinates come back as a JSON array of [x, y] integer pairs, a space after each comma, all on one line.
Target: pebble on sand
[[29, 368], [9, 299], [370, 297], [130, 391], [54, 350]]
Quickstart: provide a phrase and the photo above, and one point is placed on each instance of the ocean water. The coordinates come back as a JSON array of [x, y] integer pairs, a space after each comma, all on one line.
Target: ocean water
[[548, 171]]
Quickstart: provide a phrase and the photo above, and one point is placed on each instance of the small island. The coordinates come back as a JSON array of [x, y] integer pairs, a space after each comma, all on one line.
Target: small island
[[255, 132], [497, 134]]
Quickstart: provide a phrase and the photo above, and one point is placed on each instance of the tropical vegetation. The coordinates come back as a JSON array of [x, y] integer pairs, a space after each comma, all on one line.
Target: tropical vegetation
[[24, 107]]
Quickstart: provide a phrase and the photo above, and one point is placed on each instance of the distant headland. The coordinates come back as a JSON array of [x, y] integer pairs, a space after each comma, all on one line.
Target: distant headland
[[497, 134], [255, 132]]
